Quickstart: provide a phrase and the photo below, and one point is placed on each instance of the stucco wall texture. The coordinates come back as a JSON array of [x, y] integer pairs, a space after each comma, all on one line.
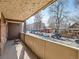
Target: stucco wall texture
[[3, 33], [21, 9]]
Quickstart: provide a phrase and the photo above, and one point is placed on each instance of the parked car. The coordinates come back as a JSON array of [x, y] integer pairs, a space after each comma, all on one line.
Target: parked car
[[56, 36], [77, 41], [31, 31], [45, 35]]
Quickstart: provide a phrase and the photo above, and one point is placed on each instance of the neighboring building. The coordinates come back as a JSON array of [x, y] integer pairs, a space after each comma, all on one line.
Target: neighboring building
[[47, 30], [72, 31], [35, 26]]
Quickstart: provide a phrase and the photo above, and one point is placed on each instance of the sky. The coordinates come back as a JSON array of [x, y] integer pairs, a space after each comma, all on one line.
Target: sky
[[69, 6]]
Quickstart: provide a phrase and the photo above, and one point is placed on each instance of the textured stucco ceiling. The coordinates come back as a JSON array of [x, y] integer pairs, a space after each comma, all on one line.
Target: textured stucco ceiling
[[21, 9]]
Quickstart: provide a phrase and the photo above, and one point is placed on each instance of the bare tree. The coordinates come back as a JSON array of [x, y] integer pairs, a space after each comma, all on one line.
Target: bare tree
[[51, 22], [37, 19], [76, 2], [57, 9]]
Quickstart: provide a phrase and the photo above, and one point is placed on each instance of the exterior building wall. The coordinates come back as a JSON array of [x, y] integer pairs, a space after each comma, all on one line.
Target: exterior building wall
[[3, 33], [70, 33], [35, 26]]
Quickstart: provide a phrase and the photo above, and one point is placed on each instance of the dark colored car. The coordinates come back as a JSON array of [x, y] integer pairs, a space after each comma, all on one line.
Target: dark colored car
[[33, 31], [56, 36], [77, 41]]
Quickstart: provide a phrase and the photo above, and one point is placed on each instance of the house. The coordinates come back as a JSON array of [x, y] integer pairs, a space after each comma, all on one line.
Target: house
[[72, 31], [47, 30]]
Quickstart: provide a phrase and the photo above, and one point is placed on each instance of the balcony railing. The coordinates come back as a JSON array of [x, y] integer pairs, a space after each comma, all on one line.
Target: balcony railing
[[49, 49]]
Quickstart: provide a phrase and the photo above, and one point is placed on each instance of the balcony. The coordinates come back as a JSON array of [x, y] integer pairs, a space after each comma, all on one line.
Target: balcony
[[32, 46], [12, 12], [15, 43]]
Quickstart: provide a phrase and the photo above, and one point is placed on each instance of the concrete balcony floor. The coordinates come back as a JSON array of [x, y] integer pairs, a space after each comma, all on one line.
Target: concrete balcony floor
[[17, 51]]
